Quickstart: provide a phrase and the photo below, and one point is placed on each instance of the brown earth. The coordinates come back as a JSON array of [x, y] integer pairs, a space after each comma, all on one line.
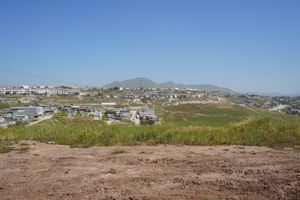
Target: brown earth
[[150, 172]]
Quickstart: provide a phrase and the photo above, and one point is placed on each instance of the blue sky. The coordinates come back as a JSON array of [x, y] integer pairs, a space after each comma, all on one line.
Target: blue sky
[[248, 46]]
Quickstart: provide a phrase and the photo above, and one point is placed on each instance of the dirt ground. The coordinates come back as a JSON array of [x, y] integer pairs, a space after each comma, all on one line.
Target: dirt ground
[[150, 172]]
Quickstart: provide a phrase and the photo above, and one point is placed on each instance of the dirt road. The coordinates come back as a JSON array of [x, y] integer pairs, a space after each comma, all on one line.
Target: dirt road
[[40, 120], [150, 172]]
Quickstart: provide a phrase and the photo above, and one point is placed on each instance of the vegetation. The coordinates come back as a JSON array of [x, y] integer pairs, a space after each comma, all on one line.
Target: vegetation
[[105, 117], [111, 171], [61, 100], [4, 105], [146, 121], [10, 104], [205, 125], [118, 151], [22, 149], [5, 147], [204, 114], [21, 124]]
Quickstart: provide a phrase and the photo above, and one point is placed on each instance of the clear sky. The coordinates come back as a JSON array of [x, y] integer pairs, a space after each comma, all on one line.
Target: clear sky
[[246, 45]]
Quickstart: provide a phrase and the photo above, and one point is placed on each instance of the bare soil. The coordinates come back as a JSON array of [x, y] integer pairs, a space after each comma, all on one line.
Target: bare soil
[[150, 172]]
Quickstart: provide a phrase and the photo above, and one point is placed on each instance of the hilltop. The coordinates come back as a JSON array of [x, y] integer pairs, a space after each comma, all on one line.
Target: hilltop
[[148, 83]]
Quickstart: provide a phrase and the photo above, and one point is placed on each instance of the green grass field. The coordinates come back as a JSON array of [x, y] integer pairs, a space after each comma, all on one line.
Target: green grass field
[[204, 114], [185, 124]]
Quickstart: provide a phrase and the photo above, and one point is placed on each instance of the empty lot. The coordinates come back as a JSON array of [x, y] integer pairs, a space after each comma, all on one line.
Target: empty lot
[[149, 172]]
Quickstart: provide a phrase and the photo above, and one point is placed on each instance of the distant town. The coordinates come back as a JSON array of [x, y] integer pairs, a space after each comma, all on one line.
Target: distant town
[[132, 106]]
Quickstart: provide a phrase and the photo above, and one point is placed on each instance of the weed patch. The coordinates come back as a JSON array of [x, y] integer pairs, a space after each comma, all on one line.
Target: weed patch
[[118, 151], [111, 171]]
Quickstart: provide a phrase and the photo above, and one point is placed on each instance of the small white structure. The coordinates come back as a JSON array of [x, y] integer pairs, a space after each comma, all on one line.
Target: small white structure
[[97, 115], [108, 103], [278, 108]]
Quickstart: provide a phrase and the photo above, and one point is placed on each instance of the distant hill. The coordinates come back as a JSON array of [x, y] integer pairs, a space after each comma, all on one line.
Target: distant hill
[[147, 83], [134, 83]]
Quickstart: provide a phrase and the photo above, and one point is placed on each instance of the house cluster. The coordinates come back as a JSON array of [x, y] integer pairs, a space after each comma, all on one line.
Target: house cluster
[[84, 111], [146, 117], [255, 101], [283, 104], [293, 111], [293, 104], [4, 123], [117, 115], [107, 111], [12, 115], [39, 90], [111, 114], [133, 94], [161, 94]]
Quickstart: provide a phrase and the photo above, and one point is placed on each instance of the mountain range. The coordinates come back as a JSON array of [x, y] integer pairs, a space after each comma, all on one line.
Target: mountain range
[[147, 83]]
